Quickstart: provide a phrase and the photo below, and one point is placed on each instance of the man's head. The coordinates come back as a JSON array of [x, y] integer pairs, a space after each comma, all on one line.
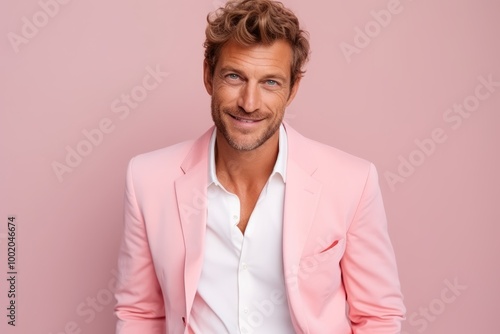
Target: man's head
[[252, 22], [254, 57]]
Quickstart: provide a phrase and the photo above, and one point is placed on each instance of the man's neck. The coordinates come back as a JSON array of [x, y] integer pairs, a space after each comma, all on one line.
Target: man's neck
[[240, 170]]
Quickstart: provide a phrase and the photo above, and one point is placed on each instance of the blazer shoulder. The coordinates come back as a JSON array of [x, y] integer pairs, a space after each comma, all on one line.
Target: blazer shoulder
[[341, 173], [323, 157], [163, 159], [172, 159], [333, 155]]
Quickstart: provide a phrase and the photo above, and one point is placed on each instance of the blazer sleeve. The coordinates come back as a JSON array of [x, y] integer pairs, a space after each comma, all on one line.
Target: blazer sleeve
[[140, 307], [369, 269]]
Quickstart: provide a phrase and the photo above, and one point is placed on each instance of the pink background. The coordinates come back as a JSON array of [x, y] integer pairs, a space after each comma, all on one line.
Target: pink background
[[375, 103]]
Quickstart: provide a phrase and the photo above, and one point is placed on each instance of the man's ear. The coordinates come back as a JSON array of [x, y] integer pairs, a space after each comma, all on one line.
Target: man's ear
[[293, 91], [207, 78]]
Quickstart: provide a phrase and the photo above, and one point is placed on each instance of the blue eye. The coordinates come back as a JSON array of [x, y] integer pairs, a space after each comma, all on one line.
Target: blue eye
[[272, 83], [233, 76]]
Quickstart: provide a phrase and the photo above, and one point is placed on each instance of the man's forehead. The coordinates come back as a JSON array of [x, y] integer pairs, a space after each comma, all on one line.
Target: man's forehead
[[277, 55]]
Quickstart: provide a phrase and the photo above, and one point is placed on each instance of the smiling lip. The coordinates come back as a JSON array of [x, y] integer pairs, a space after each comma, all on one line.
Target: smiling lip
[[245, 120]]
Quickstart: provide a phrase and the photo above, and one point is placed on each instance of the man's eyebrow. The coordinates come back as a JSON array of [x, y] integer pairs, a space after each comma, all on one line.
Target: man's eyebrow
[[230, 69]]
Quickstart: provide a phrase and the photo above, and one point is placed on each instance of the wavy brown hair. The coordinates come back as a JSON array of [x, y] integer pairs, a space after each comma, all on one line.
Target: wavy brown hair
[[251, 22]]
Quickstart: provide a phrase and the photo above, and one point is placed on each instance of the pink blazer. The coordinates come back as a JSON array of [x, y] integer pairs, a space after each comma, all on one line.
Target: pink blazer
[[336, 247]]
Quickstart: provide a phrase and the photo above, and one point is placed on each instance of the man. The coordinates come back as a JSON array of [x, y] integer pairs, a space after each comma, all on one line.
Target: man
[[253, 228]]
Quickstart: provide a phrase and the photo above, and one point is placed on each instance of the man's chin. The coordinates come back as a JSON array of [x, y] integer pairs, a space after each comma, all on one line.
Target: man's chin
[[247, 142], [245, 139], [240, 144]]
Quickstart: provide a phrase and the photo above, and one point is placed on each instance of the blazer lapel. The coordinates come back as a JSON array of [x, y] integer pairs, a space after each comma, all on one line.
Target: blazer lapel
[[301, 199], [191, 192]]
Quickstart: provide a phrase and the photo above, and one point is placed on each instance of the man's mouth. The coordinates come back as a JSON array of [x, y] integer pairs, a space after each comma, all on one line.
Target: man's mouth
[[245, 120]]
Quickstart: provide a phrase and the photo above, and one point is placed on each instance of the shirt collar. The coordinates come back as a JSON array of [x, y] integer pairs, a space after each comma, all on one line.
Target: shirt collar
[[279, 166]]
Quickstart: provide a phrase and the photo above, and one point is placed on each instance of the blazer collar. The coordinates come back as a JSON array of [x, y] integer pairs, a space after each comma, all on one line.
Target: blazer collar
[[198, 152], [191, 193], [300, 151]]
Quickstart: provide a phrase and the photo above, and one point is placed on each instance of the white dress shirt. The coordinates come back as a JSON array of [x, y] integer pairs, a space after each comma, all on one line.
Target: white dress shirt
[[242, 286]]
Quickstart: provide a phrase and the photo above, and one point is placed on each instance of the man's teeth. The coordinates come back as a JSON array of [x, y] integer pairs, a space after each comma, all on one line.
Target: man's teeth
[[244, 120]]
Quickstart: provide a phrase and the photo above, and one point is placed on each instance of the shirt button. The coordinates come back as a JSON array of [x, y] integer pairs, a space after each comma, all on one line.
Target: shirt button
[[245, 310], [235, 217], [245, 267]]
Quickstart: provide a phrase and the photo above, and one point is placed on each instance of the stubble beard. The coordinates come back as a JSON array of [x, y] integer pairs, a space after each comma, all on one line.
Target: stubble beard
[[216, 117]]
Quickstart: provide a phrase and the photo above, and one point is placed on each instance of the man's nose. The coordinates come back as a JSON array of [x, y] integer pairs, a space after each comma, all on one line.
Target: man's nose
[[250, 97]]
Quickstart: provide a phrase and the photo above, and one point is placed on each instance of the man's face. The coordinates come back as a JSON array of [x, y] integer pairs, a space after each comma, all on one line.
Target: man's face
[[250, 90]]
